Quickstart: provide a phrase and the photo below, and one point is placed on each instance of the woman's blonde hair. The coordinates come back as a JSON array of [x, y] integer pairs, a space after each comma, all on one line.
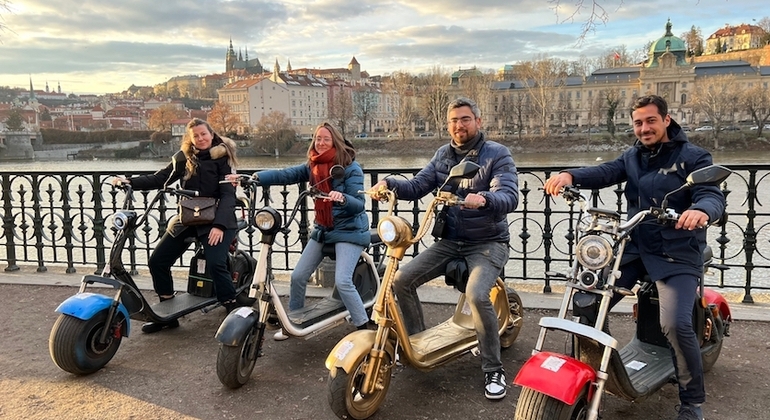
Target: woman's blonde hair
[[345, 153], [188, 146]]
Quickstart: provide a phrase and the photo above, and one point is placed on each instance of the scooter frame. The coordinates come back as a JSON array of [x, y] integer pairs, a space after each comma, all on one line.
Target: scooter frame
[[597, 364], [127, 302], [241, 334]]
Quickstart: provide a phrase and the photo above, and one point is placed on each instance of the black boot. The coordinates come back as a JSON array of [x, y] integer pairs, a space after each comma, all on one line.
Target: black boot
[[153, 327]]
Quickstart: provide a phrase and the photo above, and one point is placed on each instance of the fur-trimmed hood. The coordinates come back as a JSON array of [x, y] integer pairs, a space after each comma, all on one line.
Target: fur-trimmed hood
[[222, 146]]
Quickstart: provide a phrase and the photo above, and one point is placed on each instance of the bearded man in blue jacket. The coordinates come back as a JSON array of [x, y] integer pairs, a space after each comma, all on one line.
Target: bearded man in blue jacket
[[476, 231], [656, 164]]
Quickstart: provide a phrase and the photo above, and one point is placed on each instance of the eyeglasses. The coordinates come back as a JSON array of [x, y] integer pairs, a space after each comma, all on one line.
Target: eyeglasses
[[463, 120]]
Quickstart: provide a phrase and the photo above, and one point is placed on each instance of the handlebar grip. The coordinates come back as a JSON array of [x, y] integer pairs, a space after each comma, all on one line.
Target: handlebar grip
[[187, 193]]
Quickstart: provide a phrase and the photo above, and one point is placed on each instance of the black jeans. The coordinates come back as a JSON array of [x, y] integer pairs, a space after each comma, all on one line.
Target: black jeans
[[170, 248]]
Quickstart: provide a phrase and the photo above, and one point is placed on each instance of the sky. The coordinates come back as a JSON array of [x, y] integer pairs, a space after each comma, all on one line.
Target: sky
[[90, 46]]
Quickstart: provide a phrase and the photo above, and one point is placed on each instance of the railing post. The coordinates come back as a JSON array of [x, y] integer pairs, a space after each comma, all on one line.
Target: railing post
[[8, 226], [750, 236]]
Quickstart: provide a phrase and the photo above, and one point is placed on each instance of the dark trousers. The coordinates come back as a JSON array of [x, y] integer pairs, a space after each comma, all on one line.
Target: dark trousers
[[170, 248], [677, 295]]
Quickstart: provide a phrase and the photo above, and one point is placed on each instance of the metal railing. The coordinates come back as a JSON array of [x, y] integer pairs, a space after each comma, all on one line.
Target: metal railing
[[62, 218]]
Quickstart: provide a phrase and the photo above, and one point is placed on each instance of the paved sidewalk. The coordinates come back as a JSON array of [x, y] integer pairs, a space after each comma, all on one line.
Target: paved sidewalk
[[430, 293]]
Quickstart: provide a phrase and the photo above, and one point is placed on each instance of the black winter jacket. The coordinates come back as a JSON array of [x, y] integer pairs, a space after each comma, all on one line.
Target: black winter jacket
[[213, 165], [664, 250]]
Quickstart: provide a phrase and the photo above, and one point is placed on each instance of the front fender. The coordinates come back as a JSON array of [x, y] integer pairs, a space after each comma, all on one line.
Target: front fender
[[236, 325], [352, 348], [556, 375], [719, 300], [85, 305]]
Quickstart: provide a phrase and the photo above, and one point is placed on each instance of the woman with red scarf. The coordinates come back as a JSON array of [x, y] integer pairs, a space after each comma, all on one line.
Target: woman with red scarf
[[341, 219]]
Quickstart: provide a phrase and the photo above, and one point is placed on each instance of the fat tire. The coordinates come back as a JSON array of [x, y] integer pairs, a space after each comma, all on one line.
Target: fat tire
[[234, 367], [710, 356], [516, 309], [343, 391], [72, 343], [534, 405]]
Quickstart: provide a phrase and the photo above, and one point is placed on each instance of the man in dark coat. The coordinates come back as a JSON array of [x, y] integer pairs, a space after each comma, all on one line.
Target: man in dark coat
[[656, 164], [476, 231]]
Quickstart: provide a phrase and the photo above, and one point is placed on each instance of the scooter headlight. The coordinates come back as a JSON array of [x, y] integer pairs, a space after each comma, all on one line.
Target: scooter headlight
[[594, 252], [121, 219], [394, 231], [267, 220]]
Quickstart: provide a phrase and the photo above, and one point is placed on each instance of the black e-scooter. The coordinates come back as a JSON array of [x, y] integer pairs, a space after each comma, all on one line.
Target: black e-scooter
[[90, 326]]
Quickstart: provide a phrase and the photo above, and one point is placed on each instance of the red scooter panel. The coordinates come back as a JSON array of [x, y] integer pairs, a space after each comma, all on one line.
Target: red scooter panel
[[556, 375]]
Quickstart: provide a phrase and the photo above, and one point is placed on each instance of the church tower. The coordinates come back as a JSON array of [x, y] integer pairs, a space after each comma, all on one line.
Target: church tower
[[230, 58], [355, 69]]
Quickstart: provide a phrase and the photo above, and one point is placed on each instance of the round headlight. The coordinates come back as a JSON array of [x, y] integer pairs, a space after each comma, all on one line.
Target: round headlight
[[265, 220], [594, 252], [387, 231], [121, 219]]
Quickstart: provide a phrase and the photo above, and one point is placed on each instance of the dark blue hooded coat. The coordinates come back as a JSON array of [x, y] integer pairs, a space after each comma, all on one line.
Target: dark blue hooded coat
[[665, 251]]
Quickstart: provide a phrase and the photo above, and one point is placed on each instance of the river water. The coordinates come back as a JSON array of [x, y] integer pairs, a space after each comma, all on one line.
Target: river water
[[367, 161]]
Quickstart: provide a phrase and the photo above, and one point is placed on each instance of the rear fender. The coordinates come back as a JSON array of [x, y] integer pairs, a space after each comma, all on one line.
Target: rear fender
[[236, 325], [352, 348], [556, 375], [85, 305], [719, 300]]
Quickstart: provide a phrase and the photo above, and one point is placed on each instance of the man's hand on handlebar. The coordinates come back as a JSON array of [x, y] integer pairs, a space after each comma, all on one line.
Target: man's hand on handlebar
[[120, 181], [474, 201], [692, 219], [554, 184]]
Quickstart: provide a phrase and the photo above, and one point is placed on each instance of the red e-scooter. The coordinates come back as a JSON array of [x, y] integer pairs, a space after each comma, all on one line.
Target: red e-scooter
[[558, 386]]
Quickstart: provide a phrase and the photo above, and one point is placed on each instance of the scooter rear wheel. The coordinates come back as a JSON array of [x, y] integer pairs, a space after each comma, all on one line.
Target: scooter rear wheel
[[515, 321], [345, 396], [714, 345], [74, 343], [236, 363], [534, 405]]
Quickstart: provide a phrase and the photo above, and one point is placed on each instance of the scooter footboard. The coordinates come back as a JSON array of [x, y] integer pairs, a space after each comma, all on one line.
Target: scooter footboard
[[556, 375], [236, 325], [85, 305], [351, 348]]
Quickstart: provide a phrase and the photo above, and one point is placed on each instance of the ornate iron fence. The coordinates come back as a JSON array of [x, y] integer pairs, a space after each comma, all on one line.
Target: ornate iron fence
[[62, 218]]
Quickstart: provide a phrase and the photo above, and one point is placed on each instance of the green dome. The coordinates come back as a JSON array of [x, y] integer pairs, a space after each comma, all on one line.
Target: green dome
[[667, 42]]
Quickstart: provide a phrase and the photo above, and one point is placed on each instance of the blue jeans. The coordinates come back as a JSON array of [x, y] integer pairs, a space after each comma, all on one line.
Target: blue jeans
[[676, 296], [346, 260], [485, 263]]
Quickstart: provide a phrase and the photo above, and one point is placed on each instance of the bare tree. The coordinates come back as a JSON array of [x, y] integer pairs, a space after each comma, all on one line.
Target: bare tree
[[764, 23], [756, 101], [273, 131], [433, 97], [341, 111], [543, 80], [694, 41], [365, 105], [6, 5], [222, 119], [597, 14], [717, 98], [611, 101], [595, 105], [401, 84]]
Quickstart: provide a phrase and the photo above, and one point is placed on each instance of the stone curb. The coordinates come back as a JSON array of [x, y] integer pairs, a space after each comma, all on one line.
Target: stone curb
[[530, 295]]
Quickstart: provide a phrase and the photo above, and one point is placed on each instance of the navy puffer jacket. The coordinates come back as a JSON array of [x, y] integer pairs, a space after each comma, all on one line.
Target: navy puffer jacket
[[664, 250], [497, 181], [350, 221]]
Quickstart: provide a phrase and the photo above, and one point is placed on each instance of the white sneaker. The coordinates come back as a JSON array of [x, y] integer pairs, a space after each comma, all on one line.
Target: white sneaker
[[494, 387], [280, 335]]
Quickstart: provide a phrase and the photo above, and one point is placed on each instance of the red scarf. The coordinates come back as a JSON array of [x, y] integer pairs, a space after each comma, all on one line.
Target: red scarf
[[320, 164]]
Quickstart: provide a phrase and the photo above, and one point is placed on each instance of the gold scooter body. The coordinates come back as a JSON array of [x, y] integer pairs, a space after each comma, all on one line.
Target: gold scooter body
[[360, 364]]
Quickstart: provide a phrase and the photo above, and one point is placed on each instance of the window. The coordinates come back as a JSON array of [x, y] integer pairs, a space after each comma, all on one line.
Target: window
[[684, 99]]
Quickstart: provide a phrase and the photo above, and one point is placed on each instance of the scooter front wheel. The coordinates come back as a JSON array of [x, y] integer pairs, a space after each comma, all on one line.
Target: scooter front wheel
[[345, 396], [236, 363], [534, 405], [74, 343]]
